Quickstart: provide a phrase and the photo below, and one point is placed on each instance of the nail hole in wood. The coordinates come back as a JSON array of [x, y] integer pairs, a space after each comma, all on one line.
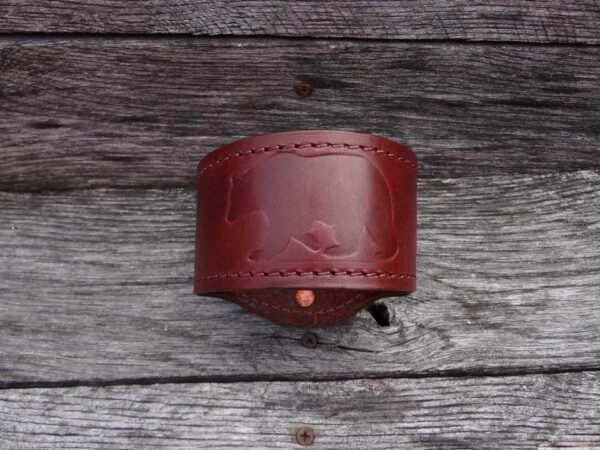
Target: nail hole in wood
[[304, 89], [310, 340]]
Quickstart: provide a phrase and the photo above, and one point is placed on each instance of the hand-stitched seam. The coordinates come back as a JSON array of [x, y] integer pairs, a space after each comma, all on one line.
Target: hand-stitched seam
[[303, 313], [314, 273], [255, 151]]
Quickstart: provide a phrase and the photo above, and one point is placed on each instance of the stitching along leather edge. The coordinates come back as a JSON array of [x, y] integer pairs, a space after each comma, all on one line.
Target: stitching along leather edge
[[315, 273], [315, 145]]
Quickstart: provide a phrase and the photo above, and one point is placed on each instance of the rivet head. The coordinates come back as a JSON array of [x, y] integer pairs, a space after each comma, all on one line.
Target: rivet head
[[304, 297], [310, 340], [305, 435], [304, 90]]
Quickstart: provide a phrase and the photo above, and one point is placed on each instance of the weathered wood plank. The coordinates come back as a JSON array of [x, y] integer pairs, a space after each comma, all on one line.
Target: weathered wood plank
[[97, 285], [524, 412], [518, 20], [130, 113]]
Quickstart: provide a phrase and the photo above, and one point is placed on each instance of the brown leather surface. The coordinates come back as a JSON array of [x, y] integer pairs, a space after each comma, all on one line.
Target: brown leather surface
[[331, 211]]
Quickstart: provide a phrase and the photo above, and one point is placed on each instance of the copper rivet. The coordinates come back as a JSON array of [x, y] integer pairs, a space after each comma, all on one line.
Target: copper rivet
[[304, 297], [305, 435], [304, 90], [310, 340]]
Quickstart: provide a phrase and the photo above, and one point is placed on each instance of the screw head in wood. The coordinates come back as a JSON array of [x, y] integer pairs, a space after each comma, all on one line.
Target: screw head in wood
[[304, 297], [310, 340], [305, 436], [304, 89]]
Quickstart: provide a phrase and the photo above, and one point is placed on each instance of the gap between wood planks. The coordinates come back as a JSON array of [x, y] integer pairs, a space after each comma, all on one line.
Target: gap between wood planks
[[63, 36], [267, 378]]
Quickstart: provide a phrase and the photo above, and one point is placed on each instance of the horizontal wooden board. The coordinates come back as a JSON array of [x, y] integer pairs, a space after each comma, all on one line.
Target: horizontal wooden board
[[517, 20], [97, 285], [521, 412], [129, 113]]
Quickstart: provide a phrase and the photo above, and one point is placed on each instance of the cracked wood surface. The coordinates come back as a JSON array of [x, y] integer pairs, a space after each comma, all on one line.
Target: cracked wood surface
[[88, 113], [521, 412], [517, 20], [96, 285]]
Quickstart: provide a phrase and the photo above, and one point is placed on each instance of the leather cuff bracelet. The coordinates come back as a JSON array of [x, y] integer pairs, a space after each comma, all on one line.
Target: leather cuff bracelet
[[306, 227]]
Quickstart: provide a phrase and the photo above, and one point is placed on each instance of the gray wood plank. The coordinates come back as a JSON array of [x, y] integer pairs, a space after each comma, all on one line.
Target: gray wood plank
[[517, 20], [522, 412], [97, 285], [130, 113]]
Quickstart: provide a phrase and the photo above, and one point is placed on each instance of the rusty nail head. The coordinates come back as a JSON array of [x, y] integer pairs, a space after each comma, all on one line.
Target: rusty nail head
[[310, 340], [304, 89], [305, 435], [304, 297]]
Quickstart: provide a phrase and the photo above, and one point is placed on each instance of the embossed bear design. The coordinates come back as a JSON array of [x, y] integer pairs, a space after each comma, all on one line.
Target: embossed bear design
[[332, 222]]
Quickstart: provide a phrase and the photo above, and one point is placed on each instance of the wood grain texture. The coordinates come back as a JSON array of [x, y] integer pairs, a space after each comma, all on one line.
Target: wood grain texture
[[97, 285], [517, 20], [137, 113], [524, 412]]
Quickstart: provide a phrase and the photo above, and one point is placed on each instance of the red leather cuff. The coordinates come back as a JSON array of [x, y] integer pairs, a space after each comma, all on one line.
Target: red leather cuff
[[306, 227]]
